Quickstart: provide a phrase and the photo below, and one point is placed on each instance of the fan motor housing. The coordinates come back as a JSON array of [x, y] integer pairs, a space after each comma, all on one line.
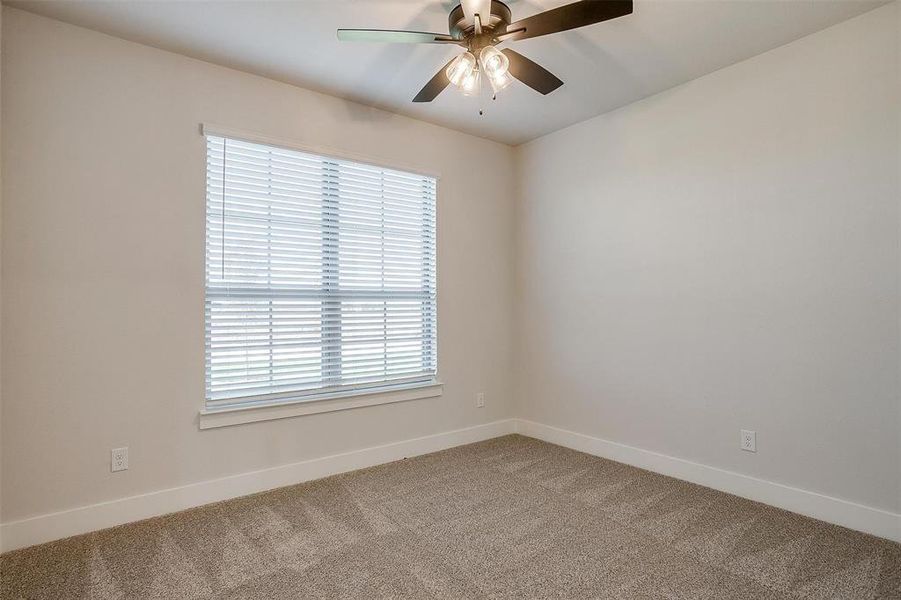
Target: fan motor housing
[[461, 28]]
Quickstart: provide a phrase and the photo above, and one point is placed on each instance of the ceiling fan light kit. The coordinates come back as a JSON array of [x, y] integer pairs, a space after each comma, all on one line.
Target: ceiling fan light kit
[[479, 26]]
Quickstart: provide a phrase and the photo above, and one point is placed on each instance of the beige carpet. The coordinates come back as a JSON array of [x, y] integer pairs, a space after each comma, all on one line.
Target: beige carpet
[[506, 518]]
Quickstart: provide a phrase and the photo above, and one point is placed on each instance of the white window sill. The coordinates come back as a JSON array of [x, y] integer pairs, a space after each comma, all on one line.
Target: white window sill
[[225, 417]]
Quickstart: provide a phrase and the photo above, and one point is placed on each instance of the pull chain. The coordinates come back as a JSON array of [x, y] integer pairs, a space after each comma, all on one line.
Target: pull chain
[[480, 96]]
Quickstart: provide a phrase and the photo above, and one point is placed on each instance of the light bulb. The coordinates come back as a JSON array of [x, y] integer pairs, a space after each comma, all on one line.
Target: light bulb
[[470, 84], [461, 68], [493, 62], [499, 82]]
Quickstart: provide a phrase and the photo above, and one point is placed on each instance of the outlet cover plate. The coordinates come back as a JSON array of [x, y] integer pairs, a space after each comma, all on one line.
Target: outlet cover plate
[[748, 440], [119, 459]]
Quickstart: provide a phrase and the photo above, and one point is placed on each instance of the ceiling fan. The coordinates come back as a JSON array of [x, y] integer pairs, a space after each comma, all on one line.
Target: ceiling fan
[[479, 26]]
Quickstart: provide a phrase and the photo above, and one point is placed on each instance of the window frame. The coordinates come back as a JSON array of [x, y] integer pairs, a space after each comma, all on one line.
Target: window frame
[[287, 404]]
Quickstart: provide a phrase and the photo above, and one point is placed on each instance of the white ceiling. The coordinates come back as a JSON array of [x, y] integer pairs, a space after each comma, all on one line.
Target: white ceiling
[[604, 66]]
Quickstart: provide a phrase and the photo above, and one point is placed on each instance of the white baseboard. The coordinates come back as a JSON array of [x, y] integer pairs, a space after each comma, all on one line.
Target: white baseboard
[[54, 526], [45, 528], [825, 508]]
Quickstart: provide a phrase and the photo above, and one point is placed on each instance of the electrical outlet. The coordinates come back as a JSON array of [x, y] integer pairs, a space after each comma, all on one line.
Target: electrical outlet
[[748, 440], [480, 400], [119, 459]]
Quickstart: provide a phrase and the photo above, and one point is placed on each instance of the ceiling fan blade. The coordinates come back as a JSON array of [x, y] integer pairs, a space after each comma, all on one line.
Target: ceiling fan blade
[[531, 73], [394, 37], [435, 85], [571, 16], [471, 8]]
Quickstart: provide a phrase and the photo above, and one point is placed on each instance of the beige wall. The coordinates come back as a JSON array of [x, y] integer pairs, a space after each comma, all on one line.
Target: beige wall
[[102, 250], [897, 4], [1, 263], [725, 255]]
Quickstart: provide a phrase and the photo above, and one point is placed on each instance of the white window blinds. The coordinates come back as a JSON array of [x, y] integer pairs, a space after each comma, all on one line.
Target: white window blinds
[[320, 275]]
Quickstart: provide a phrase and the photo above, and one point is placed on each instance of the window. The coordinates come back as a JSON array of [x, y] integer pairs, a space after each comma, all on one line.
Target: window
[[320, 276]]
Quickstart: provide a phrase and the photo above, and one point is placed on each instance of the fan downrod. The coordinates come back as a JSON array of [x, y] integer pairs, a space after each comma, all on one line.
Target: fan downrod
[[464, 29]]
